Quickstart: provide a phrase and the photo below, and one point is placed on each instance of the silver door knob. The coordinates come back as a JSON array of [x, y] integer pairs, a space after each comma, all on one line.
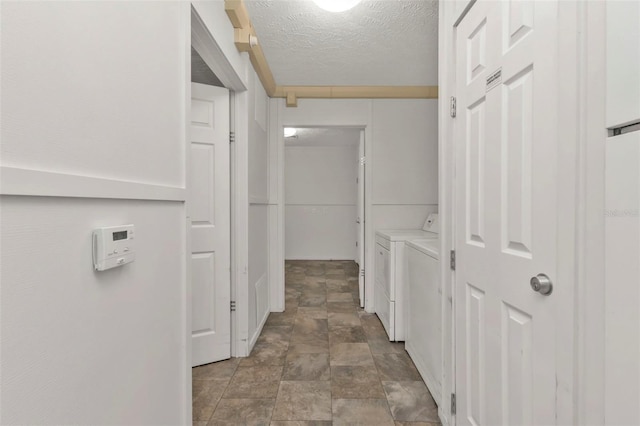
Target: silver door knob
[[542, 284]]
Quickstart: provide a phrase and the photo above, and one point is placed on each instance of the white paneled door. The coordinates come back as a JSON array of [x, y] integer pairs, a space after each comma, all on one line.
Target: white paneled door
[[506, 212], [209, 208]]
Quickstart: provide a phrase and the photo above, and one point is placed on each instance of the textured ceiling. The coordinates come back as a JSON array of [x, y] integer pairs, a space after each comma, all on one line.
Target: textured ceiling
[[377, 43], [324, 136]]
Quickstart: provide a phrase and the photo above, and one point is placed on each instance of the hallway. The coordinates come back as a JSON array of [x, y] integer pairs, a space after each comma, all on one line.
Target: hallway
[[324, 360]]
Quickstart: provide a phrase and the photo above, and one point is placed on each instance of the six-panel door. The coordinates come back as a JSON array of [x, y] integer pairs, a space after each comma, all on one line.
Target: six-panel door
[[209, 208], [505, 225]]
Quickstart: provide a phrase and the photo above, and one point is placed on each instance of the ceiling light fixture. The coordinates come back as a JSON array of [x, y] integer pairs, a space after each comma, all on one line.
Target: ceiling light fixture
[[336, 5], [289, 132]]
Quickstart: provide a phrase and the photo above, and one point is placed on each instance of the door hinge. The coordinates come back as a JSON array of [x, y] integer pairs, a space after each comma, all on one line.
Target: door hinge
[[362, 272], [363, 161], [233, 306], [232, 137], [453, 107], [453, 404], [452, 260]]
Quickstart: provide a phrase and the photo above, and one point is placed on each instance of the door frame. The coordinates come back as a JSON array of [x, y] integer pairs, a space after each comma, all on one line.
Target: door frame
[[201, 39], [203, 42], [277, 121], [361, 218], [361, 143], [580, 199]]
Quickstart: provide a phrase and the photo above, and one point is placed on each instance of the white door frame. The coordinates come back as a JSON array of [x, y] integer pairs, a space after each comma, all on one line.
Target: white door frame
[[590, 220], [361, 221], [207, 47], [446, 197], [580, 357], [277, 122], [210, 51]]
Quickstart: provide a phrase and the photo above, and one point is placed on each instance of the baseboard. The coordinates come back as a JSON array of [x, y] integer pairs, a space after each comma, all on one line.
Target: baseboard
[[262, 309], [255, 336]]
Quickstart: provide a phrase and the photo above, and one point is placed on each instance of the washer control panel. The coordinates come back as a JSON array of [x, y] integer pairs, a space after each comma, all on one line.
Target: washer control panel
[[113, 246], [432, 224]]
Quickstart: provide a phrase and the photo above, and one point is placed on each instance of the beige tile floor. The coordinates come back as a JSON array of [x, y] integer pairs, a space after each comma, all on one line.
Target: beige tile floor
[[323, 361]]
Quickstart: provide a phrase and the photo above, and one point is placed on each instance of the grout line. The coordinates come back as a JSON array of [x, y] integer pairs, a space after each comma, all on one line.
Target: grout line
[[300, 316], [221, 395]]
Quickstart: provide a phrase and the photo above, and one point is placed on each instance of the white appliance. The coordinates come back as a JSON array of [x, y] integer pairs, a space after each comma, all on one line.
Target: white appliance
[[424, 311], [389, 274]]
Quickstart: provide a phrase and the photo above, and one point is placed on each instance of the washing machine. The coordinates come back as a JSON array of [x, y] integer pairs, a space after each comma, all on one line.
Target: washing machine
[[423, 294], [389, 270]]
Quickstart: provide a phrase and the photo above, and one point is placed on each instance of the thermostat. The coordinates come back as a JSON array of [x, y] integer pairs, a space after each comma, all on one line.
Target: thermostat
[[113, 246]]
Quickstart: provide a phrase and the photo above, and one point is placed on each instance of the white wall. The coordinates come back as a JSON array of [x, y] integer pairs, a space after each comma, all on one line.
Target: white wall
[[93, 93], [320, 197], [401, 139], [623, 62], [405, 154], [622, 217], [622, 302], [404, 162]]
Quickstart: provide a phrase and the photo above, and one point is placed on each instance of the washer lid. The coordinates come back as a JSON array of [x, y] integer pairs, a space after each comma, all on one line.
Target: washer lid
[[405, 234], [430, 247]]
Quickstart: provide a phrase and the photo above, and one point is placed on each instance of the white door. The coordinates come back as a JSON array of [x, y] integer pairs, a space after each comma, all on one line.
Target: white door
[[209, 208], [361, 219], [506, 212]]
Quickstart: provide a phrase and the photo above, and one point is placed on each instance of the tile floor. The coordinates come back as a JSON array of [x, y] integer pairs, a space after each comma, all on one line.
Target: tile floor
[[323, 361]]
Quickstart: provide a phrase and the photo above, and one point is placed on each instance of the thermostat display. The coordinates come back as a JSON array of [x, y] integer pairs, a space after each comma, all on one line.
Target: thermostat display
[[121, 235], [113, 247]]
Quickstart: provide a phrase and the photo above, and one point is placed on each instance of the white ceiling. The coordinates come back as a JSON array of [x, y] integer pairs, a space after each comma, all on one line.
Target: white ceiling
[[324, 136], [377, 43]]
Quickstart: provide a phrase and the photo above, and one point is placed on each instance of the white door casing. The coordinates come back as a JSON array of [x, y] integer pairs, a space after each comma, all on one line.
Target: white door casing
[[209, 209], [361, 219], [506, 212]]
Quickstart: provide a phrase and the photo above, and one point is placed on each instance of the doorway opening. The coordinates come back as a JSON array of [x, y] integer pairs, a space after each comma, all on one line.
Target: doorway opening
[[324, 196]]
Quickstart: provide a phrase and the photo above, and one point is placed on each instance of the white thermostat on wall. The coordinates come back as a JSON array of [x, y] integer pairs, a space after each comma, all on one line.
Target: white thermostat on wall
[[113, 246]]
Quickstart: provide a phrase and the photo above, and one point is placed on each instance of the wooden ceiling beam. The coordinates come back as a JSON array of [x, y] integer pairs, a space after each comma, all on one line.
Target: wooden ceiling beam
[[242, 38], [292, 100], [260, 65], [239, 17], [359, 92], [237, 13]]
